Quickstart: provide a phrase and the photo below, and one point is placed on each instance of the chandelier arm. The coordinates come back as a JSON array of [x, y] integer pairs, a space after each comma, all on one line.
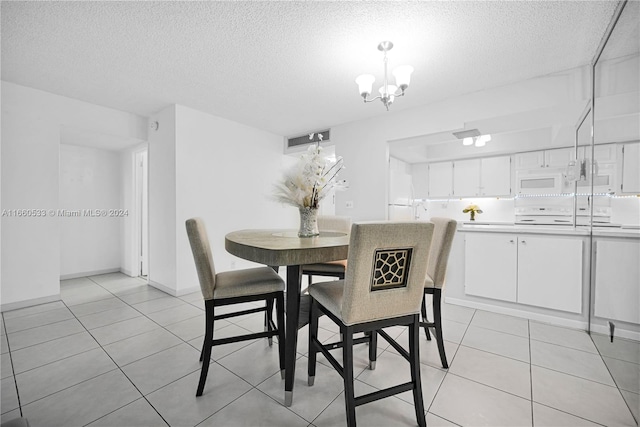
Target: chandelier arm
[[372, 99]]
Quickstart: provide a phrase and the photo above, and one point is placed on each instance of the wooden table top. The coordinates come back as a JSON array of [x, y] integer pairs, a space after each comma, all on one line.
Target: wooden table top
[[284, 247]]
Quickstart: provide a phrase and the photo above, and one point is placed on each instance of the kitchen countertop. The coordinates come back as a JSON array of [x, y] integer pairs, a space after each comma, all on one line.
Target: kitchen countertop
[[550, 229]]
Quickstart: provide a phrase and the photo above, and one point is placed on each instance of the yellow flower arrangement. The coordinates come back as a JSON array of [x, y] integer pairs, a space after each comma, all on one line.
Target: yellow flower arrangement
[[473, 210]]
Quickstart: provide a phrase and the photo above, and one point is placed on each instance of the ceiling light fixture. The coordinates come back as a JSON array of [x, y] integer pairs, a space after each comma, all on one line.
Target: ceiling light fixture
[[388, 92], [473, 136]]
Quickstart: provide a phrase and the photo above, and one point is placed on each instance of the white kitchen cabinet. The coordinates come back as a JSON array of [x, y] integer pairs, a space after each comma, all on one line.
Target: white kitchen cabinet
[[490, 267], [544, 271], [441, 180], [617, 280], [630, 169], [489, 176], [603, 153], [466, 178], [556, 158], [530, 160], [420, 180], [495, 176], [550, 272]]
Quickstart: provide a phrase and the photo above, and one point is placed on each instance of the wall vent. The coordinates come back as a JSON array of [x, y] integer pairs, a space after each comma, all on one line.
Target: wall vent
[[302, 142]]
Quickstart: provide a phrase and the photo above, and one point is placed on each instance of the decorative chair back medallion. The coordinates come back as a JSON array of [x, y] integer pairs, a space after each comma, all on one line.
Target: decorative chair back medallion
[[390, 268]]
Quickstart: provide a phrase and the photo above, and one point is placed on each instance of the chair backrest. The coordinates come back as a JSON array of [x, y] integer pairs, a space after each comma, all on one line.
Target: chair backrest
[[443, 232], [387, 270], [201, 249], [334, 223]]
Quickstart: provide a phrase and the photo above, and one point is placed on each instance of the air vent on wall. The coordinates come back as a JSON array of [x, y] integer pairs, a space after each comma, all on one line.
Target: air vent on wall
[[300, 143]]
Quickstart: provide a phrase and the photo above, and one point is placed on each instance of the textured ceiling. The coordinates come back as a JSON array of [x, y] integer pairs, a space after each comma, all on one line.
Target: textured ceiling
[[287, 67]]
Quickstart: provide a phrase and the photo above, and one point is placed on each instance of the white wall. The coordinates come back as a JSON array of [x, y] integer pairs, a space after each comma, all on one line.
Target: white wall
[[364, 144], [90, 178], [224, 173], [31, 122], [162, 200]]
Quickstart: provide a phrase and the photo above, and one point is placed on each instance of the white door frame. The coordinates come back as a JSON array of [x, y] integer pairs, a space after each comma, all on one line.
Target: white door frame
[[141, 213]]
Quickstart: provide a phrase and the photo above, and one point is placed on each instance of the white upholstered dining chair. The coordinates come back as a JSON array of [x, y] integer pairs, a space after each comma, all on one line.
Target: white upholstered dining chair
[[383, 287], [443, 233], [233, 287]]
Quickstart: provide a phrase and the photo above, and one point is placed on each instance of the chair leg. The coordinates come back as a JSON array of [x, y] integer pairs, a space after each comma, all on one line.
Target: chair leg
[[204, 344], [205, 355], [347, 366], [281, 335], [373, 349], [313, 334], [414, 353], [437, 318], [268, 319], [423, 309]]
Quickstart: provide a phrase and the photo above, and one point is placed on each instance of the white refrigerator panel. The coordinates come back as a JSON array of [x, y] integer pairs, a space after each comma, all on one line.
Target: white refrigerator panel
[[400, 188]]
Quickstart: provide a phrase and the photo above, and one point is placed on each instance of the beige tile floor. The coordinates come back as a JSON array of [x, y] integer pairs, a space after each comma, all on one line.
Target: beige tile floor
[[116, 352]]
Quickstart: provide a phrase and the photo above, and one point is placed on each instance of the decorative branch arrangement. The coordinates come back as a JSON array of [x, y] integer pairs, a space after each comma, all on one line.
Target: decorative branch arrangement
[[310, 179]]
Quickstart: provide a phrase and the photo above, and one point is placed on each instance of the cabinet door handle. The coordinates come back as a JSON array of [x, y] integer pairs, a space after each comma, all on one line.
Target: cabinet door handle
[[511, 241], [524, 242]]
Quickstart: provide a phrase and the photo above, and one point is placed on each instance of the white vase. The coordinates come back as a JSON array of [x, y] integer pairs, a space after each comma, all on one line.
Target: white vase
[[308, 222]]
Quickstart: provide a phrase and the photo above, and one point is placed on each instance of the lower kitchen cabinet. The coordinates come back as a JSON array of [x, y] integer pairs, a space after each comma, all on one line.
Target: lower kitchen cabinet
[[490, 265], [550, 272], [544, 271], [617, 275]]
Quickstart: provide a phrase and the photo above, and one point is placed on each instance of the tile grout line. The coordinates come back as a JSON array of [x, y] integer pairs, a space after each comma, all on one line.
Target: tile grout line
[[570, 348], [123, 373], [614, 380], [183, 341], [13, 372], [473, 315]]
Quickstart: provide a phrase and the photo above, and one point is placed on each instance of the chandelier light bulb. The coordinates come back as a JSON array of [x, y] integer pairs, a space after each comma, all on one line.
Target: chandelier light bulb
[[482, 140], [365, 84], [403, 76]]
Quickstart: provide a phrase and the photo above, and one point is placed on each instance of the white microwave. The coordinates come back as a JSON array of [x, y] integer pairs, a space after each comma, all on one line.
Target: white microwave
[[533, 182], [603, 180]]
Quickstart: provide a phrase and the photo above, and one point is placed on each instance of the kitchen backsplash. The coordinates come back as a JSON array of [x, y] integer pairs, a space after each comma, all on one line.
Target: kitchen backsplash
[[493, 210], [625, 211]]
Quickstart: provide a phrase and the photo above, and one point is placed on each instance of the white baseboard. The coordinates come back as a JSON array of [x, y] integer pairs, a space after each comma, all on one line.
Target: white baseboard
[[622, 333], [173, 292], [28, 303], [89, 273], [544, 318], [128, 273]]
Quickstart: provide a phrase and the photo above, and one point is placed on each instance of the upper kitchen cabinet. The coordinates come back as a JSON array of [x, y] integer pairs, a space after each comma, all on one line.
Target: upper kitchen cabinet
[[420, 180], [490, 176], [495, 176], [440, 180], [630, 168], [556, 158], [466, 178]]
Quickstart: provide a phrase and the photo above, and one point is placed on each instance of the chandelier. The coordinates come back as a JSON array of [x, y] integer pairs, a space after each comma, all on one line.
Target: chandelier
[[387, 91]]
